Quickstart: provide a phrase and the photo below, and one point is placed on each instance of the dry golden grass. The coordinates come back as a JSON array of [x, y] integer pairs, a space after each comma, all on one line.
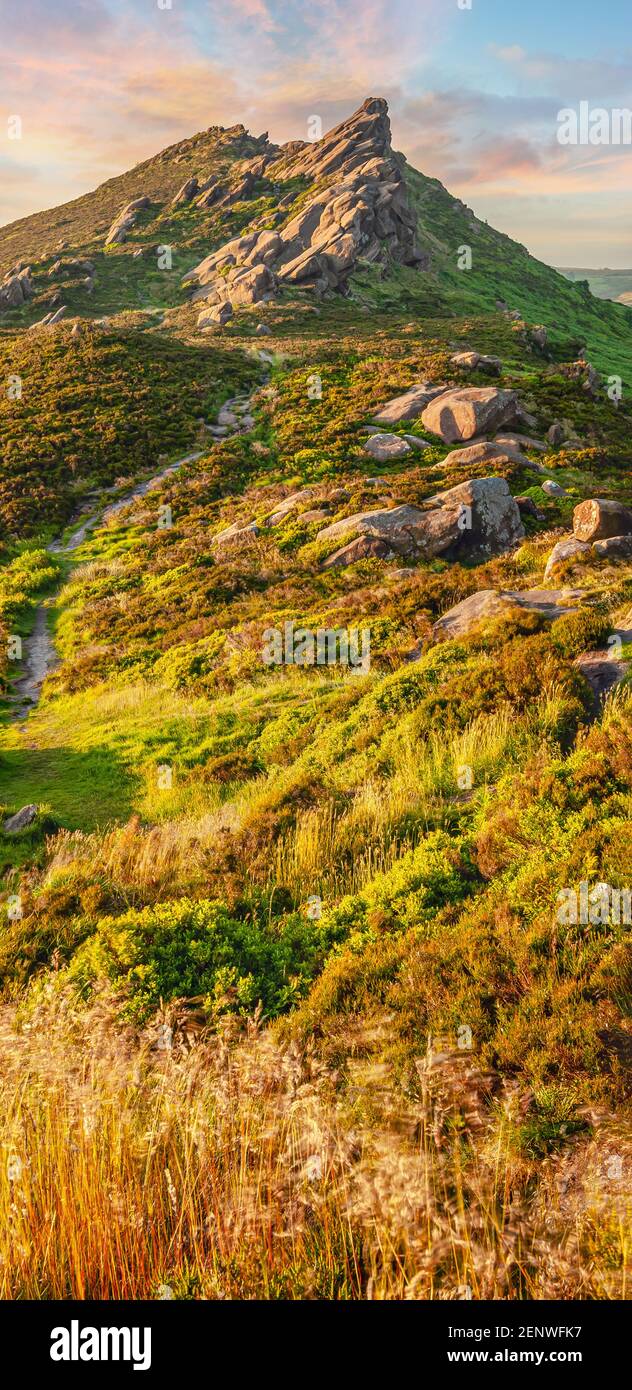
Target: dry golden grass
[[180, 1164], [330, 850]]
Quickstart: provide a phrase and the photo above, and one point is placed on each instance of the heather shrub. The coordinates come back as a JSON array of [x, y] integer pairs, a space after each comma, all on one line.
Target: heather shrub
[[196, 948]]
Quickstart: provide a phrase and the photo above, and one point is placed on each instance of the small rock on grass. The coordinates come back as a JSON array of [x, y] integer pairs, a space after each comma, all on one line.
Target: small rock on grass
[[553, 489], [20, 820], [384, 447], [415, 443]]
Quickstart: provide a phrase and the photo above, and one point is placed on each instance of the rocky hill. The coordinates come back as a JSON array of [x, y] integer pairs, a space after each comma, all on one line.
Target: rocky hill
[[231, 219], [315, 742]]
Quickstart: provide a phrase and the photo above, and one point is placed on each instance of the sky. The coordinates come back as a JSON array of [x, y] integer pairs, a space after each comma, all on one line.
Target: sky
[[474, 95]]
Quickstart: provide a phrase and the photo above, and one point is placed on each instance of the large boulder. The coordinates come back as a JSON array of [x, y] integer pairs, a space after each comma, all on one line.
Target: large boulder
[[474, 410], [598, 518], [489, 518], [406, 529], [408, 406], [491, 603], [478, 516]]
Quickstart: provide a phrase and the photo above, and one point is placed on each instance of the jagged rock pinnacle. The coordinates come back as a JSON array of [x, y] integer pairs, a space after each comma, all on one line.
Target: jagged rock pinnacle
[[362, 211]]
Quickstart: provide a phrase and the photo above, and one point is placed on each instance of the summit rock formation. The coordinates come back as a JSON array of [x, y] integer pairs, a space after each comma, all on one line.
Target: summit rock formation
[[357, 207]]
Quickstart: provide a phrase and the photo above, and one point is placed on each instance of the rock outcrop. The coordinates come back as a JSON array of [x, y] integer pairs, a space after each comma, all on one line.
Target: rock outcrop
[[360, 209], [125, 220], [472, 411], [16, 288], [491, 603], [408, 406], [479, 517]]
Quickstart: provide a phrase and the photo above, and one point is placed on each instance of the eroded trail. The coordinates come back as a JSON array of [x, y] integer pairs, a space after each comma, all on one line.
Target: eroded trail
[[40, 658], [39, 653]]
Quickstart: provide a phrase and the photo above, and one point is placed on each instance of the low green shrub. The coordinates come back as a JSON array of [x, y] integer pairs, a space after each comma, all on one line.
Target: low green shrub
[[185, 948]]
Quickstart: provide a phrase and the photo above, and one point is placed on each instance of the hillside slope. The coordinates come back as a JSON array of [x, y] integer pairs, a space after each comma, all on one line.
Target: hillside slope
[[333, 733], [234, 187]]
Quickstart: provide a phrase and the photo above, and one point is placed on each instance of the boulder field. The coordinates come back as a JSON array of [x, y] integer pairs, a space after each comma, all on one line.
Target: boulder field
[[477, 518]]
